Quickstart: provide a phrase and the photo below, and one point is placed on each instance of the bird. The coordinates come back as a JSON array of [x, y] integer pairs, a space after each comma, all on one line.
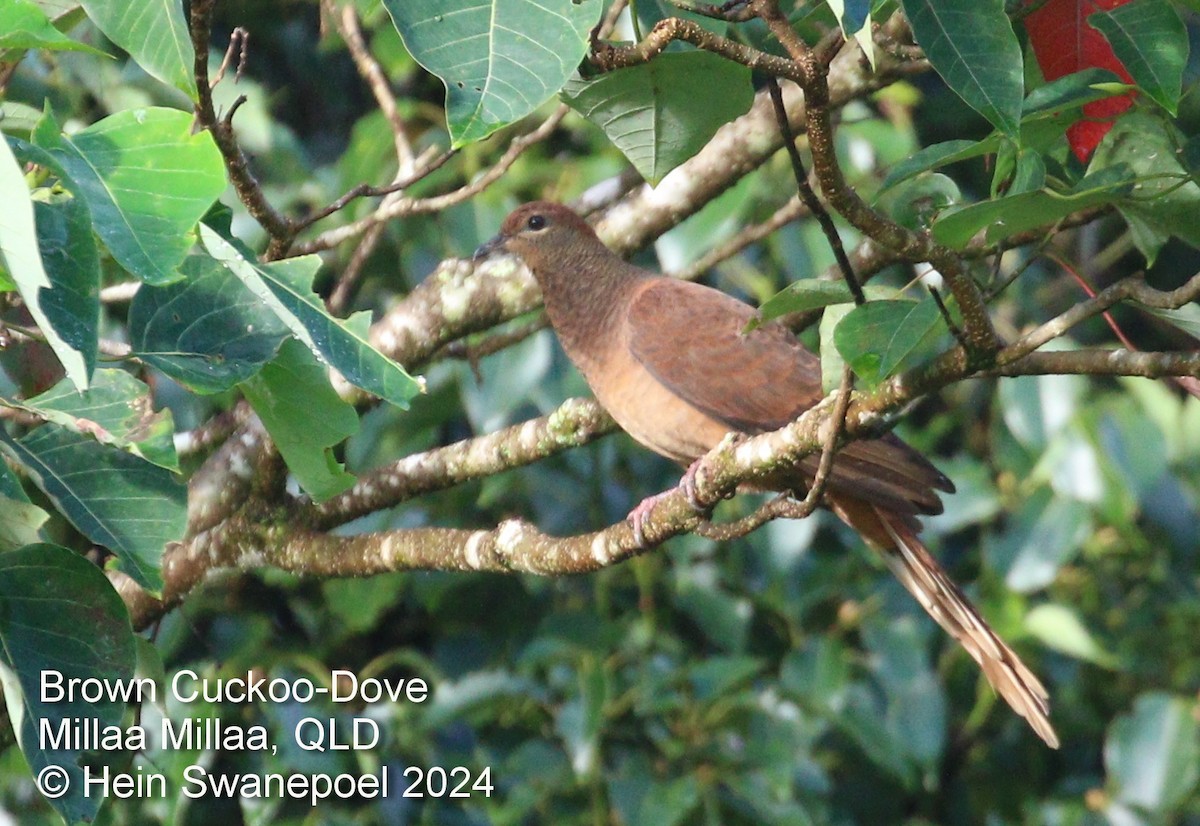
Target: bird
[[674, 365]]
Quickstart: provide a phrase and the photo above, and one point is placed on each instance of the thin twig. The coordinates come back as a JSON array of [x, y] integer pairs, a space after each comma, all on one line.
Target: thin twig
[[782, 506], [121, 293], [836, 425], [810, 198], [1091, 293], [348, 27], [473, 353], [426, 166], [735, 11], [436, 203], [249, 191], [239, 44], [351, 276], [790, 211]]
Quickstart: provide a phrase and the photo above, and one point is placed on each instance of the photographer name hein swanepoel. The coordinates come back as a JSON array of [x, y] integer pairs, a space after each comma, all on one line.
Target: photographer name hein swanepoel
[[198, 782]]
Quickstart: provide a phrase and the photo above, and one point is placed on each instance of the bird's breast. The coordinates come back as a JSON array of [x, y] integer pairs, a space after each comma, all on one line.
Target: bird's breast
[[647, 410]]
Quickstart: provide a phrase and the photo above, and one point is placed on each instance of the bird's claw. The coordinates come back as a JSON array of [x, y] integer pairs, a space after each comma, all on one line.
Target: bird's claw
[[641, 514], [688, 484]]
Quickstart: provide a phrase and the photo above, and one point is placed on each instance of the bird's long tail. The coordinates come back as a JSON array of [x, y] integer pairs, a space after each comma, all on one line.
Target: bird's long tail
[[894, 536]]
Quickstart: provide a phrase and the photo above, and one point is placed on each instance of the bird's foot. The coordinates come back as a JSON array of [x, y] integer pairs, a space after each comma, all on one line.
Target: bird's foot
[[688, 484], [639, 515]]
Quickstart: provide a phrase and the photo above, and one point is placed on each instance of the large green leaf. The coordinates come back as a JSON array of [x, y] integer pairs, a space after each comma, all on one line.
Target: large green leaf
[[1151, 42], [1165, 201], [23, 25], [1153, 753], [649, 111], [116, 410], [60, 615], [1058, 97], [1014, 214], [305, 417], [21, 256], [146, 178], [876, 338], [1051, 102], [812, 294], [972, 46], [208, 331], [938, 155], [155, 35], [286, 287], [115, 499], [1046, 534], [72, 264], [499, 59]]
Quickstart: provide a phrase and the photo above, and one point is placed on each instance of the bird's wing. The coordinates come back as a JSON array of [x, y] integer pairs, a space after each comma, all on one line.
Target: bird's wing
[[690, 337]]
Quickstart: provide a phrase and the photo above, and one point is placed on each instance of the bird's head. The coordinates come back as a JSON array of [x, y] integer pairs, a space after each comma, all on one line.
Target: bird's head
[[539, 231]]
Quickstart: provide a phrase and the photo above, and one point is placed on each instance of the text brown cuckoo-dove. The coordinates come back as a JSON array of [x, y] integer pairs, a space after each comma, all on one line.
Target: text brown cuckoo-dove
[[672, 363]]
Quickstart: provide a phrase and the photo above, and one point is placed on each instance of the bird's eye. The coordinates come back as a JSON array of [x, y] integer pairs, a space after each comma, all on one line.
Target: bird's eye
[[536, 222]]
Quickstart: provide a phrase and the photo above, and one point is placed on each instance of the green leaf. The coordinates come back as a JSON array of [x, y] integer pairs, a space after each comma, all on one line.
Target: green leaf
[[116, 410], [146, 178], [1151, 42], [1060, 628], [972, 46], [1014, 214], [1047, 534], [876, 338], [116, 500], [72, 264], [801, 296], [1186, 318], [23, 25], [1164, 202], [854, 19], [58, 613], [649, 112], [286, 287], [937, 156], [20, 524], [1069, 92], [579, 722], [305, 417], [916, 202], [499, 59], [812, 294], [831, 359], [155, 35], [21, 256], [1153, 753], [208, 332], [670, 802]]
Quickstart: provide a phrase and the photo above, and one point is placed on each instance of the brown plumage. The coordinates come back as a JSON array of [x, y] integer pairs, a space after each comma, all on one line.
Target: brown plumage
[[670, 361]]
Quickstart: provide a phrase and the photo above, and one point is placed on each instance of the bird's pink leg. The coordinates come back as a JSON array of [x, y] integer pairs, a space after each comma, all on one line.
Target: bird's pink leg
[[639, 515]]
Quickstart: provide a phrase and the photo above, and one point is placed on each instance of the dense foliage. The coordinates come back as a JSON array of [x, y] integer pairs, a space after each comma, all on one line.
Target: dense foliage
[[190, 241]]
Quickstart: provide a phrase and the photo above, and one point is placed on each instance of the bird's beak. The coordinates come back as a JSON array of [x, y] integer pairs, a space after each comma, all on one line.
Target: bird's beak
[[488, 247]]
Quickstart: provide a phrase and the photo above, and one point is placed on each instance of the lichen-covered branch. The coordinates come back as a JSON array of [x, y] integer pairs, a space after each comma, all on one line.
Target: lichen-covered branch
[[1103, 363], [576, 422]]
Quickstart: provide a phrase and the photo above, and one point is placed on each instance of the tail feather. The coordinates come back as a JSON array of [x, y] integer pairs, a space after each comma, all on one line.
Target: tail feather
[[925, 579], [894, 535]]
